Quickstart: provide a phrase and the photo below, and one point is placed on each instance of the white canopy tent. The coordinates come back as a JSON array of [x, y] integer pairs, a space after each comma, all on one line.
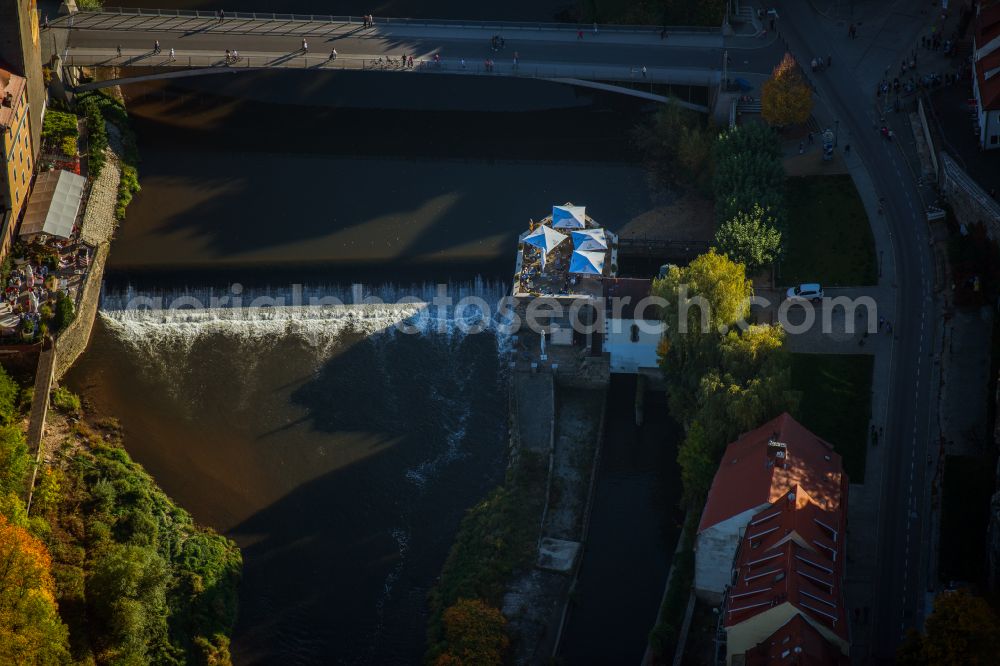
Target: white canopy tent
[[569, 217], [545, 238], [587, 262], [53, 205], [590, 239]]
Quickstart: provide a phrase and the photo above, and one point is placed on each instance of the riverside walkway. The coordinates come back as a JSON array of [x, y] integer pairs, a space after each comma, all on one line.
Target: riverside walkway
[[635, 55]]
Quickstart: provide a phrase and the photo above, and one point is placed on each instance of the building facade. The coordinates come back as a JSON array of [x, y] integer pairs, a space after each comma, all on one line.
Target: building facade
[[986, 76], [20, 52], [17, 161]]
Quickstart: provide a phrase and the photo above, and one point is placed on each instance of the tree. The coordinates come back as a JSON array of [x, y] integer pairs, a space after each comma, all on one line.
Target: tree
[[14, 459], [962, 630], [750, 238], [678, 144], [65, 312], [698, 464], [30, 629], [750, 384], [9, 391], [127, 592], [475, 634], [785, 98], [703, 299]]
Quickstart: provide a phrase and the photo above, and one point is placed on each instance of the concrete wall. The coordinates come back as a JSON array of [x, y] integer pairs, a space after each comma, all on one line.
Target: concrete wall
[[714, 552]]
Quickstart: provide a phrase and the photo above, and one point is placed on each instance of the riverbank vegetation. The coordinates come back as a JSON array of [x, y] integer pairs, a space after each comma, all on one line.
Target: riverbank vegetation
[[110, 569], [98, 104], [496, 539]]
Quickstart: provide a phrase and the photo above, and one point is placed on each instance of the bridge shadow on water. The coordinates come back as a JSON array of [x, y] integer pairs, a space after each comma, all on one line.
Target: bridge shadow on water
[[245, 181]]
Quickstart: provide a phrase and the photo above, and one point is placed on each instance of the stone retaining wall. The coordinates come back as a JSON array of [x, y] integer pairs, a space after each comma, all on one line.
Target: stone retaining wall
[[73, 340], [970, 203]]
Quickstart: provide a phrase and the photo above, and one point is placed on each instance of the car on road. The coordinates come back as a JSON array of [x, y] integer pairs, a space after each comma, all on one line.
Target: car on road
[[809, 291]]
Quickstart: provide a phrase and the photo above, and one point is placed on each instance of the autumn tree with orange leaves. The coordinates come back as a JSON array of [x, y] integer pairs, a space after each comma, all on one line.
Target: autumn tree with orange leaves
[[785, 98], [475, 634], [30, 629]]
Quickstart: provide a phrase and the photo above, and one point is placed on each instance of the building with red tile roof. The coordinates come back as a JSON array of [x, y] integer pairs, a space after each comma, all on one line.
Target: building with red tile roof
[[796, 643], [758, 469], [986, 75], [790, 565]]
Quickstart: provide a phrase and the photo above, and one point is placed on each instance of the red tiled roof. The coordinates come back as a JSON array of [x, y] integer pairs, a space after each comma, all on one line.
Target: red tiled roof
[[750, 474], [792, 552], [989, 89], [987, 25], [797, 643]]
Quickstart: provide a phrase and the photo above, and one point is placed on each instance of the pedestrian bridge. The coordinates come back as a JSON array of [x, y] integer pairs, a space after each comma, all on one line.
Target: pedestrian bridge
[[632, 60]]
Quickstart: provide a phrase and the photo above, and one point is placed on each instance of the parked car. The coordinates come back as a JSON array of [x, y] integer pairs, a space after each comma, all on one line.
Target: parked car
[[810, 291]]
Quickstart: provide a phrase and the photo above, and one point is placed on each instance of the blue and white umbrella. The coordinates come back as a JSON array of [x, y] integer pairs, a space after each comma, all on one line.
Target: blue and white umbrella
[[590, 239], [588, 263], [569, 217], [545, 238]]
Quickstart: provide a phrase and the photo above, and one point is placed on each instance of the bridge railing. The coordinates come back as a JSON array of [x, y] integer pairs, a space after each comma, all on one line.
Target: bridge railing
[[500, 26], [618, 74]]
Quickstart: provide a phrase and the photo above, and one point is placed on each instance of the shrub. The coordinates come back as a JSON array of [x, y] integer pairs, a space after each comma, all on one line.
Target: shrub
[[128, 187], [9, 391], [475, 633], [59, 126], [65, 400], [65, 312]]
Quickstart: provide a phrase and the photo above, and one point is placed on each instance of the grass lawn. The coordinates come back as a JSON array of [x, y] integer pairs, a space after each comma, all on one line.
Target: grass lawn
[[965, 513], [837, 403], [829, 239]]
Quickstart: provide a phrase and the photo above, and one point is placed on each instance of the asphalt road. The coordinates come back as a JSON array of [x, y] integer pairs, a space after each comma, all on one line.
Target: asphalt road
[[901, 538]]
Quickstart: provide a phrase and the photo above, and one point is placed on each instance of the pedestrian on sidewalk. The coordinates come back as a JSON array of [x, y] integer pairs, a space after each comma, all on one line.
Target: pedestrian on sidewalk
[[802, 148], [333, 54], [881, 323], [119, 50], [222, 15], [305, 45], [595, 28], [663, 33], [463, 63], [579, 34], [156, 46], [643, 71], [45, 22], [172, 56]]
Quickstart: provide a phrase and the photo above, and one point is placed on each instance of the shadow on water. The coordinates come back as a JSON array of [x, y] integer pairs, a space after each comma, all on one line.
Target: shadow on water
[[346, 514], [361, 191], [633, 532]]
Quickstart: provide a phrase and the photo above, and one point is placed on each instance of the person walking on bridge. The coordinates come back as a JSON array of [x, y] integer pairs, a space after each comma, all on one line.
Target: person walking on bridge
[[172, 58], [156, 46], [119, 50], [643, 71], [333, 54], [222, 15], [305, 45]]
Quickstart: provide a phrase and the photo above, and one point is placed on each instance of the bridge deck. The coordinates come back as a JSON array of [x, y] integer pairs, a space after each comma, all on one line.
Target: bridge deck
[[544, 50]]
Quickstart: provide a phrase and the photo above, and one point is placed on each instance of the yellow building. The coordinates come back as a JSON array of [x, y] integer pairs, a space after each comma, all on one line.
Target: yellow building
[[16, 160]]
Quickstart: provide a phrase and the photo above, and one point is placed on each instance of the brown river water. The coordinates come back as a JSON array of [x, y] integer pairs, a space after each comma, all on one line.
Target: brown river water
[[339, 453]]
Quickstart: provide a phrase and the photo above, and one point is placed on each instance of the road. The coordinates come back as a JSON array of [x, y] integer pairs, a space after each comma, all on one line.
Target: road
[[901, 538]]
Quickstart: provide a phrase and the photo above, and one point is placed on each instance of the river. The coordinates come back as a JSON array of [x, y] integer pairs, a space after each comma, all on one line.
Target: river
[[339, 453]]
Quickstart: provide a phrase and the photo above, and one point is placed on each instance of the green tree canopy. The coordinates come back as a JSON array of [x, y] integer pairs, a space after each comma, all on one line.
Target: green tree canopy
[[750, 238]]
